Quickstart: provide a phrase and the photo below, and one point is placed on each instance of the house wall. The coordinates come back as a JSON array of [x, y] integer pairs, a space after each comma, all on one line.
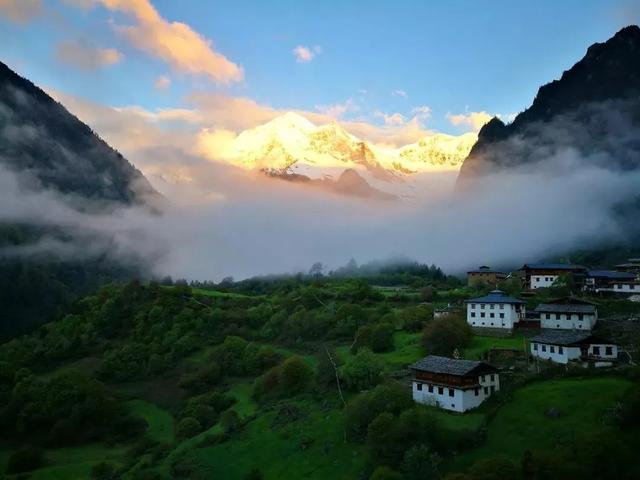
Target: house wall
[[568, 321], [626, 288], [601, 350], [462, 399], [542, 280], [476, 310], [555, 353]]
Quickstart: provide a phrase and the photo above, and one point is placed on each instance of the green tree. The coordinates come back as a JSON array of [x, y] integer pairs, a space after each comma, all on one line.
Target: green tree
[[362, 371], [494, 468], [444, 335], [385, 473], [382, 338], [294, 375], [230, 421], [420, 463], [187, 428]]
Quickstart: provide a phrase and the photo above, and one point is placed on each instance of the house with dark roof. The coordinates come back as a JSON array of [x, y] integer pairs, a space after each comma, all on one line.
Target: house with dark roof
[[485, 275], [545, 275], [563, 346], [631, 266], [453, 384], [495, 310], [567, 314], [598, 281]]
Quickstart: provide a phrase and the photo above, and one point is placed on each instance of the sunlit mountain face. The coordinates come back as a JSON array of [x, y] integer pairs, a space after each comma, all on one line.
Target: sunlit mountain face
[[292, 145]]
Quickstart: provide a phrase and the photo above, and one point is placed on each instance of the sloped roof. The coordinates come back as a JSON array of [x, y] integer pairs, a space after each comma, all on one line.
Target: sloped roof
[[552, 266], [611, 274], [562, 308], [567, 337], [496, 296], [451, 366]]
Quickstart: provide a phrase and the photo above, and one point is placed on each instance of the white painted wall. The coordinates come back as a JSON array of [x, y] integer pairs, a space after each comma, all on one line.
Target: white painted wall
[[542, 281], [462, 399], [555, 353], [626, 288], [602, 352], [492, 315], [568, 321]]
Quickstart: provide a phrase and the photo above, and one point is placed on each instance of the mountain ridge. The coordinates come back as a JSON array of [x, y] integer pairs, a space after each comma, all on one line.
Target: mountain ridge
[[605, 80]]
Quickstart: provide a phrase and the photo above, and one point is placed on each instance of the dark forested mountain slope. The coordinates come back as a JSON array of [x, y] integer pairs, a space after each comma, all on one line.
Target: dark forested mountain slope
[[48, 148], [592, 110], [38, 136]]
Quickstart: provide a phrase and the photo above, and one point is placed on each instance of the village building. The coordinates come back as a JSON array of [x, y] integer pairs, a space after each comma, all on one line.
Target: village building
[[567, 314], [598, 281], [545, 275], [632, 266], [484, 275], [452, 384], [496, 310], [446, 311], [629, 287], [562, 346]]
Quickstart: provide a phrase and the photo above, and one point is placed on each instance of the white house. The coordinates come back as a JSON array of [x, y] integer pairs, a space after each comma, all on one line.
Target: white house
[[572, 315], [496, 310], [452, 384], [545, 275], [607, 280], [626, 287], [562, 346]]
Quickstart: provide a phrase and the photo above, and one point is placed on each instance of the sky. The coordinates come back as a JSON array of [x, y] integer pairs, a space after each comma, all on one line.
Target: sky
[[167, 83], [421, 66]]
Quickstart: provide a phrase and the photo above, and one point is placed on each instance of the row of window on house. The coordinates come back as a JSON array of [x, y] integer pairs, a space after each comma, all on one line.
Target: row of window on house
[[552, 349], [452, 392], [482, 315], [491, 306], [558, 316]]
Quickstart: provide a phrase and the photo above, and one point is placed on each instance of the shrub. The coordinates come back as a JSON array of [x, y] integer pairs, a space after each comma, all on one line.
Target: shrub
[[382, 338], [103, 471], [362, 371], [420, 462], [385, 473], [294, 375], [444, 335], [187, 428], [25, 459], [230, 421]]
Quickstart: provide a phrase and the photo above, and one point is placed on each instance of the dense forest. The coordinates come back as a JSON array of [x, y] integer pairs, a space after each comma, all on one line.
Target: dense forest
[[177, 381]]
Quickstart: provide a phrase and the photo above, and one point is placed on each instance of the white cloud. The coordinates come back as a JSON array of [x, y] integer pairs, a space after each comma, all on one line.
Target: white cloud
[[174, 42], [20, 11], [476, 120], [305, 54], [399, 93], [338, 109], [83, 55], [163, 82]]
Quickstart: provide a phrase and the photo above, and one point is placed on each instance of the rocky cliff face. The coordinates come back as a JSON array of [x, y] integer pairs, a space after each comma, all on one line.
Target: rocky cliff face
[[592, 112]]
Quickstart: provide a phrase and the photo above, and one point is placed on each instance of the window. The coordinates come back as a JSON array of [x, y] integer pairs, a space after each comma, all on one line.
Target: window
[[544, 348], [596, 350], [486, 390], [502, 315], [440, 390], [535, 347], [451, 392], [580, 316], [430, 388], [492, 389], [560, 350], [548, 316], [492, 315], [473, 314], [476, 391], [537, 279], [493, 377], [502, 306], [492, 306], [419, 387], [482, 315], [482, 306], [473, 305], [608, 350], [552, 349]]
